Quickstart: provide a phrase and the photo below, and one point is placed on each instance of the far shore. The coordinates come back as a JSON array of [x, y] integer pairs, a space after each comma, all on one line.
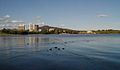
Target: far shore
[[3, 34]]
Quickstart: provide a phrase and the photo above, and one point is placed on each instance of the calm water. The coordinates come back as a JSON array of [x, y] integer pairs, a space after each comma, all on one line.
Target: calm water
[[60, 52]]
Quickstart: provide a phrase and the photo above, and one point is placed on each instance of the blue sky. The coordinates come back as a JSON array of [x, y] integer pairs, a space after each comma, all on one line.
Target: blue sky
[[74, 14]]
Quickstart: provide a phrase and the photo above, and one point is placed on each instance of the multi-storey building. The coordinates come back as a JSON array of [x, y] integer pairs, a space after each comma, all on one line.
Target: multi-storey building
[[21, 27], [33, 28]]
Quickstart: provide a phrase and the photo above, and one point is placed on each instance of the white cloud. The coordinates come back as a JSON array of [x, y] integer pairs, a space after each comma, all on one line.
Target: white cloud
[[16, 21], [102, 15], [7, 21], [7, 16], [43, 23]]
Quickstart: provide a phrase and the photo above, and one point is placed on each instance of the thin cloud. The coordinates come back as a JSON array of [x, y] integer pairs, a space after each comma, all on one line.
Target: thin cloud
[[62, 25], [16, 21], [43, 23], [38, 17], [1, 18], [102, 15], [7, 16], [8, 20]]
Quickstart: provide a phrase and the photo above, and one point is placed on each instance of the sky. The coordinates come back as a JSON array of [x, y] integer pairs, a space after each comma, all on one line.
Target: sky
[[73, 14]]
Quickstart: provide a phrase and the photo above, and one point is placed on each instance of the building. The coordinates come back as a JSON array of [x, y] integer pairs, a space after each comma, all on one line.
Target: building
[[51, 29], [21, 27], [33, 28], [90, 32]]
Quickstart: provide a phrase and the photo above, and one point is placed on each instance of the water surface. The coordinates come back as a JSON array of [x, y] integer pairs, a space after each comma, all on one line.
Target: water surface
[[60, 52]]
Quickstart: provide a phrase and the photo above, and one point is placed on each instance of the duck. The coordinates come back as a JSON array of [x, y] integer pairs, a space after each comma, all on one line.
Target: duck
[[50, 49]]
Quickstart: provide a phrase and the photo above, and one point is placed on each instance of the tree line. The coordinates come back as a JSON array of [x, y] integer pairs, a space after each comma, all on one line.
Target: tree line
[[58, 31]]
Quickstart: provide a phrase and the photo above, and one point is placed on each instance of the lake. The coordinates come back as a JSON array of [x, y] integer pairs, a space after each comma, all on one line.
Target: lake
[[60, 52]]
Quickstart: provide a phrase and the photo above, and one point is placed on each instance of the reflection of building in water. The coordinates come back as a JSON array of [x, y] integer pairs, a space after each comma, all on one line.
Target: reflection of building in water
[[21, 41], [33, 28], [21, 27], [36, 40], [33, 40]]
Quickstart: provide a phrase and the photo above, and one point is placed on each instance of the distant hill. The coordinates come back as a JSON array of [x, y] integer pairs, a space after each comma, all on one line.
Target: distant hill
[[57, 30]]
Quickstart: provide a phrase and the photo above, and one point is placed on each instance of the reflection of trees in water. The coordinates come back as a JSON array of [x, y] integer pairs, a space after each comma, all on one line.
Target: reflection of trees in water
[[12, 41], [5, 44]]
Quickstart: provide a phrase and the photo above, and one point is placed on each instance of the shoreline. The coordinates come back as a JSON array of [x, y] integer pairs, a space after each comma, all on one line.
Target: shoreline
[[53, 34]]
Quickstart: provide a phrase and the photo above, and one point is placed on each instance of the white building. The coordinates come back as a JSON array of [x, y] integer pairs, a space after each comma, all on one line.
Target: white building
[[51, 29], [33, 28], [90, 32]]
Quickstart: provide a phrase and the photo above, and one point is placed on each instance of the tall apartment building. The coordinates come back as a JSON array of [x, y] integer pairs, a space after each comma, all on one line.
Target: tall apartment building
[[21, 27], [33, 28]]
